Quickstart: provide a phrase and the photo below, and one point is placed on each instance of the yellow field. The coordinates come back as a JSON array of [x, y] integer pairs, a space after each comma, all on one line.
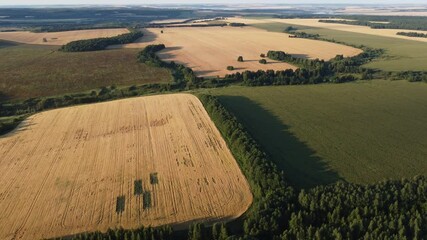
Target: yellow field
[[62, 171], [59, 38], [337, 26], [209, 50]]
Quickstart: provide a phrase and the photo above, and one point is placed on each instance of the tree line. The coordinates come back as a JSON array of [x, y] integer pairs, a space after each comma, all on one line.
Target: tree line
[[403, 23], [412, 34], [142, 233], [337, 70], [97, 44]]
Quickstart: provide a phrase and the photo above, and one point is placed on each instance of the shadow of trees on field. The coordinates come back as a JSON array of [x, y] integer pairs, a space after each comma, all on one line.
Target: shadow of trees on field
[[3, 97], [16, 128], [206, 73], [5, 44], [147, 38], [168, 53], [298, 161], [299, 55]]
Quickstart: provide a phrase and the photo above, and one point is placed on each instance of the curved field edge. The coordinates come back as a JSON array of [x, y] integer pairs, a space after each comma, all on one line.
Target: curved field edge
[[158, 119]]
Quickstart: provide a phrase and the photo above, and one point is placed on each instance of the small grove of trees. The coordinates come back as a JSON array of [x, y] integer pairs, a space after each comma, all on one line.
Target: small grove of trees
[[412, 34], [100, 43], [263, 61], [240, 59]]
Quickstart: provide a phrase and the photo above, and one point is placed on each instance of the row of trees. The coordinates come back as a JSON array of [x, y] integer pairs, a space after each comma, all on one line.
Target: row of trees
[[387, 23], [74, 27], [34, 105], [273, 197], [337, 70], [96, 44], [142, 233], [413, 34], [236, 24]]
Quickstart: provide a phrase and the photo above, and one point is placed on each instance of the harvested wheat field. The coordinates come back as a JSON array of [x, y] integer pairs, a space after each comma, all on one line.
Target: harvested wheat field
[[143, 161], [209, 50], [59, 38], [312, 22]]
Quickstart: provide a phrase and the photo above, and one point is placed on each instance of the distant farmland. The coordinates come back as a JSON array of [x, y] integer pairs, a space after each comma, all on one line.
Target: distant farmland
[[209, 50], [142, 161], [314, 22], [59, 38], [401, 54], [35, 71], [361, 132]]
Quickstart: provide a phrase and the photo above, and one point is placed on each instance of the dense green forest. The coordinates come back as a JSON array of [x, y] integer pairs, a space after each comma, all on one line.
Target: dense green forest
[[412, 34], [96, 44]]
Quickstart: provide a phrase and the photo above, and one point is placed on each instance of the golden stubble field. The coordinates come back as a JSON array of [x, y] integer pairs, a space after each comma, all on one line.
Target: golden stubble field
[[63, 170], [59, 38], [313, 22], [209, 50]]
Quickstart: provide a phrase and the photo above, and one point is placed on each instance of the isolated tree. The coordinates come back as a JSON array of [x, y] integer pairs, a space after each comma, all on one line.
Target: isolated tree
[[230, 68], [262, 55], [240, 59], [263, 61]]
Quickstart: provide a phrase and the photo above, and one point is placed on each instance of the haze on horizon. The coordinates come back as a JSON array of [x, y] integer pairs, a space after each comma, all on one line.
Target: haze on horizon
[[147, 2]]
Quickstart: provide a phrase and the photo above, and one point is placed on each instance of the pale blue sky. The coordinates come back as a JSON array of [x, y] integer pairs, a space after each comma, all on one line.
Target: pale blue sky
[[121, 2]]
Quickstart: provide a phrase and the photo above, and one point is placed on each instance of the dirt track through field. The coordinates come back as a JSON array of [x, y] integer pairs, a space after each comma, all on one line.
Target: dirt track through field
[[59, 38], [62, 171], [209, 50]]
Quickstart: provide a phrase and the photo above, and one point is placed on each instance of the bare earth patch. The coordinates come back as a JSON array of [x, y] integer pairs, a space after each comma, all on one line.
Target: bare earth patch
[[59, 38], [209, 50], [142, 161]]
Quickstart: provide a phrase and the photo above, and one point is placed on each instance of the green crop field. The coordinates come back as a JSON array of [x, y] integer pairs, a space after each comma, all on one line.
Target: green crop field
[[401, 55], [359, 132], [33, 71]]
